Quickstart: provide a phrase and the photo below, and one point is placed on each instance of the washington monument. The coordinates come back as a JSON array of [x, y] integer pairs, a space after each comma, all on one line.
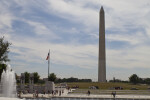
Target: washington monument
[[102, 54]]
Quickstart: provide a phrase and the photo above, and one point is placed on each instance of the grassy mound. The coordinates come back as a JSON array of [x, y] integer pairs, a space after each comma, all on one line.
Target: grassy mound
[[108, 86]]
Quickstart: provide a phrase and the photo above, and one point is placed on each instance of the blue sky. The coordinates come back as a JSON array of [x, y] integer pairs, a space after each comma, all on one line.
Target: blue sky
[[69, 28]]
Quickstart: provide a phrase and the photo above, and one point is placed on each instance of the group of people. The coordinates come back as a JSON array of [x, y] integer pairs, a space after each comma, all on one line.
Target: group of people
[[35, 94], [56, 92]]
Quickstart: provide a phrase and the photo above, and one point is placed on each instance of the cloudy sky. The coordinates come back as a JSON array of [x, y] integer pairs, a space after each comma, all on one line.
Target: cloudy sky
[[69, 28]]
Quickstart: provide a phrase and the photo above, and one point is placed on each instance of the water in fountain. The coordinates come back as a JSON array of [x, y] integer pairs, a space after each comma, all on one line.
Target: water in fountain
[[8, 83]]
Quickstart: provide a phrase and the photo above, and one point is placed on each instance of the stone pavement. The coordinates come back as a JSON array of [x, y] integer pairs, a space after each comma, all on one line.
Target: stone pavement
[[90, 96], [145, 97], [110, 96]]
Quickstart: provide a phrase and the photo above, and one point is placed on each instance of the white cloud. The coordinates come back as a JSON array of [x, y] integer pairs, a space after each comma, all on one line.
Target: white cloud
[[6, 16], [74, 11], [134, 57], [39, 28], [132, 39], [5, 20]]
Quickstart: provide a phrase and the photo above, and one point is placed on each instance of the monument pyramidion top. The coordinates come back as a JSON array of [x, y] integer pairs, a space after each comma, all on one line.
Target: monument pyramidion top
[[101, 10]]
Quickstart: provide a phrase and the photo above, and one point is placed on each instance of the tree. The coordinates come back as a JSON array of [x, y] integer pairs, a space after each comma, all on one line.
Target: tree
[[2, 67], [142, 81], [147, 80], [52, 77], [36, 77], [134, 79], [26, 77], [4, 50], [72, 79]]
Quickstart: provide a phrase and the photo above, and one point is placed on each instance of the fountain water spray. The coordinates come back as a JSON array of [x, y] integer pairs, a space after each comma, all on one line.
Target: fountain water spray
[[8, 83]]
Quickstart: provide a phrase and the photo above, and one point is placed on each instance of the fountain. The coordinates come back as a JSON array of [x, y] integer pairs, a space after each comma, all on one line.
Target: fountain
[[8, 83]]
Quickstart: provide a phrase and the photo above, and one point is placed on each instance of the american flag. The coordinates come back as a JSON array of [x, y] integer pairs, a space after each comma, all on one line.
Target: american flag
[[47, 57]]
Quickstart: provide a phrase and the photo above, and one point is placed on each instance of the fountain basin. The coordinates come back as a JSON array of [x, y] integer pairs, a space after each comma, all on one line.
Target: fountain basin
[[7, 98]]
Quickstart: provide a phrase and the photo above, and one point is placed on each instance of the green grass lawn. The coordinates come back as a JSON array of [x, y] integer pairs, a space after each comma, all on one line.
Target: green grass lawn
[[107, 86]]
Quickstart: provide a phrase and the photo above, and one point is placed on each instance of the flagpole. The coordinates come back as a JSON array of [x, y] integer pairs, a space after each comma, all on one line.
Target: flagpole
[[48, 63]]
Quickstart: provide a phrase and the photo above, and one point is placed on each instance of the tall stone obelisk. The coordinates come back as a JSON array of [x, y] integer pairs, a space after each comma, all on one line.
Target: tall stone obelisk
[[102, 54]]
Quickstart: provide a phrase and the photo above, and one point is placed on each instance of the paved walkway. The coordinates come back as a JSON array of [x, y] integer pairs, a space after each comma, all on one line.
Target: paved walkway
[[82, 95], [145, 97], [110, 96], [91, 96]]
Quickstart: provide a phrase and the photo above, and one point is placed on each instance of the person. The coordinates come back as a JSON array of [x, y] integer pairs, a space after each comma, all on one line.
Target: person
[[59, 93], [49, 92], [37, 94], [114, 94], [88, 92], [44, 92], [52, 93]]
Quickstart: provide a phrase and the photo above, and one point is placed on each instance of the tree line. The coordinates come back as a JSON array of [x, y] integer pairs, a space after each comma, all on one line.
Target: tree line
[[72, 79], [52, 77], [134, 79]]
